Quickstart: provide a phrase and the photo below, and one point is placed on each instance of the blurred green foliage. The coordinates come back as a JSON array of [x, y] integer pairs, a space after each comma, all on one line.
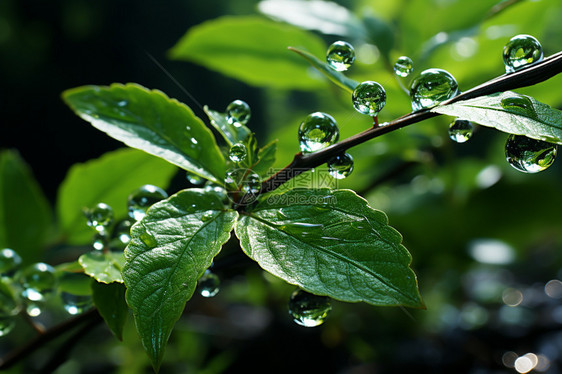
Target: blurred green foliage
[[448, 200]]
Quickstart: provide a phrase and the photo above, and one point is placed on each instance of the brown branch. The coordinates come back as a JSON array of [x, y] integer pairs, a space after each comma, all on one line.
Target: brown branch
[[20, 353], [534, 74]]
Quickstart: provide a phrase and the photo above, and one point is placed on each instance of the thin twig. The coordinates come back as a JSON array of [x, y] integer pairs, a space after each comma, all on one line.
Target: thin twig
[[534, 74], [21, 352]]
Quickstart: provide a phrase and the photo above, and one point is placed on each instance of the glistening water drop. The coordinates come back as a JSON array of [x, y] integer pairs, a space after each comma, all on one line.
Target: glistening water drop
[[340, 55], [318, 130], [307, 309]]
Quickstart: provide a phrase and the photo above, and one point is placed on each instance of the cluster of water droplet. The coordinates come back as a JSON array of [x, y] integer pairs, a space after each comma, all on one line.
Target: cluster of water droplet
[[340, 55], [317, 131], [520, 52], [10, 263], [243, 180], [307, 309]]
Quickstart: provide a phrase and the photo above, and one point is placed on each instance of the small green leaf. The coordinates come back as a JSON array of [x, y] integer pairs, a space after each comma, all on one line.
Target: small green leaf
[[25, 215], [110, 302], [251, 49], [266, 159], [109, 179], [232, 134], [510, 112], [335, 76], [170, 248], [103, 267], [330, 242], [150, 121]]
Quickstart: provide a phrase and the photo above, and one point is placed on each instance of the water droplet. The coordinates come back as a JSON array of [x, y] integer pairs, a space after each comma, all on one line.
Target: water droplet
[[148, 238], [307, 309], [7, 324], [76, 304], [238, 112], [460, 130], [99, 217], [208, 215], [122, 234], [100, 241], [34, 308], [369, 98], [432, 87], [194, 141], [208, 284], [38, 280], [8, 305], [404, 66], [194, 178], [244, 180], [143, 198], [317, 131], [519, 104], [340, 166], [529, 155], [521, 51], [237, 152], [10, 261], [340, 55], [214, 188], [122, 103]]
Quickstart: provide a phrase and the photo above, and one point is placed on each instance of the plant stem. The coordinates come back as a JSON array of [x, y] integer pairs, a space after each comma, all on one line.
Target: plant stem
[[534, 74], [20, 353]]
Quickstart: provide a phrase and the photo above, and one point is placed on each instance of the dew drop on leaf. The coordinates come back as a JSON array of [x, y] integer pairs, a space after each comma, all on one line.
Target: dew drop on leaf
[[208, 215], [237, 152], [460, 130], [148, 238], [217, 190], [369, 98], [238, 113], [519, 104], [529, 155], [340, 166], [99, 217], [194, 178], [143, 198], [318, 130], [38, 280], [403, 67], [432, 87], [307, 309], [76, 304], [521, 51], [10, 261], [340, 55], [7, 324], [209, 284]]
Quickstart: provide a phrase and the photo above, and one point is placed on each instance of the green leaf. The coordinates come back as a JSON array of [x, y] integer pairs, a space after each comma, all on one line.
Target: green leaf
[[330, 242], [251, 49], [110, 302], [324, 16], [232, 134], [103, 267], [74, 283], [109, 179], [266, 159], [510, 112], [150, 121], [335, 76], [25, 215], [171, 247]]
